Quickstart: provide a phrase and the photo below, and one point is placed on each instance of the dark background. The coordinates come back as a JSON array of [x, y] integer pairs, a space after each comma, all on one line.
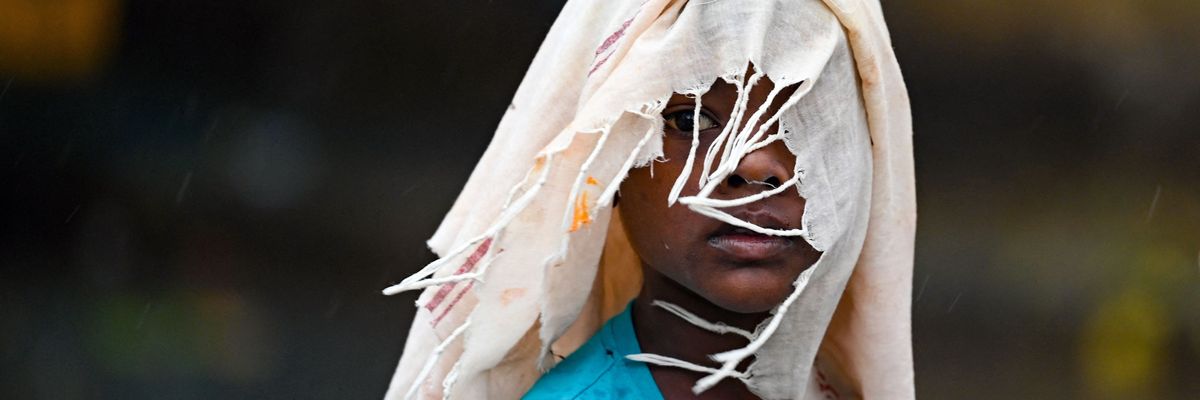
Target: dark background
[[203, 199]]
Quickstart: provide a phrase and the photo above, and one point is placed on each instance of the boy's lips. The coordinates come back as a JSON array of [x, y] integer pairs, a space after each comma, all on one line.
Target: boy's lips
[[746, 245]]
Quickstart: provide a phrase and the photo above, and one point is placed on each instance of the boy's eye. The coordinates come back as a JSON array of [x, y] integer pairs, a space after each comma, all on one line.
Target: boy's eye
[[684, 121]]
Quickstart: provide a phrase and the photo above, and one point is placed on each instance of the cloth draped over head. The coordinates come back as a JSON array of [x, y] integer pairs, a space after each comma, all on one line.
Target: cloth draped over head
[[533, 259]]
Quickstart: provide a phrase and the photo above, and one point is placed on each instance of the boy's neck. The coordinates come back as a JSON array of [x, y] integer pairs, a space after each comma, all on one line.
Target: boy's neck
[[663, 333]]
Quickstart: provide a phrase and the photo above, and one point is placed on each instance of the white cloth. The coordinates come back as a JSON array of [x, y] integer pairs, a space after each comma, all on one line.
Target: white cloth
[[533, 259]]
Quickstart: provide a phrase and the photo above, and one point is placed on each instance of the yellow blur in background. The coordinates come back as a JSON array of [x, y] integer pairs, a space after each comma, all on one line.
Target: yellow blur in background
[[56, 39]]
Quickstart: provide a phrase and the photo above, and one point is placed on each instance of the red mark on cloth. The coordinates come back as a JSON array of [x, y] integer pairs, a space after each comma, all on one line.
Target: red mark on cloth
[[508, 296], [467, 266], [457, 297], [614, 37], [607, 44], [598, 65]]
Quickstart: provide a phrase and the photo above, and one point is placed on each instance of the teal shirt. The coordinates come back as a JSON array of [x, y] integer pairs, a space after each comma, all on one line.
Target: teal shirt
[[599, 370]]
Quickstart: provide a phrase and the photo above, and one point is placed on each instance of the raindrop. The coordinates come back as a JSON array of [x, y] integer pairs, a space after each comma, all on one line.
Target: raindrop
[[1153, 204], [921, 291], [183, 187], [954, 303], [72, 215]]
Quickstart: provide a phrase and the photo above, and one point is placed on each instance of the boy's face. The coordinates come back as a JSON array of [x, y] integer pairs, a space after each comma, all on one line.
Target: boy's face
[[733, 268]]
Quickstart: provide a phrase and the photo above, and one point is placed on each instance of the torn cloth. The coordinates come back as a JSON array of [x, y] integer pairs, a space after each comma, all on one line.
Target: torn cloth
[[533, 260]]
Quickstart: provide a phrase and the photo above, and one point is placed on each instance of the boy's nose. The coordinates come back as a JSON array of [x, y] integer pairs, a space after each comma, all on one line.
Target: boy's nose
[[763, 169]]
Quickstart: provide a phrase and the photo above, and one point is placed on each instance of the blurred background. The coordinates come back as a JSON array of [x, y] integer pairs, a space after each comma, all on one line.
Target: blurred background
[[203, 199]]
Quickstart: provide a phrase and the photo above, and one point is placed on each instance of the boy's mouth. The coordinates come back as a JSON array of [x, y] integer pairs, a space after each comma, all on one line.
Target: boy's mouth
[[746, 245]]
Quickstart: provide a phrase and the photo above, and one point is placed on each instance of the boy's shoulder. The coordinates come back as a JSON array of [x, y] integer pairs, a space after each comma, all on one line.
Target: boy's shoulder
[[598, 370], [577, 375]]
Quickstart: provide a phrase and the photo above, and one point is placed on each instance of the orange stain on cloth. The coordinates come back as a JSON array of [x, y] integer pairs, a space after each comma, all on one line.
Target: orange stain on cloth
[[582, 217]]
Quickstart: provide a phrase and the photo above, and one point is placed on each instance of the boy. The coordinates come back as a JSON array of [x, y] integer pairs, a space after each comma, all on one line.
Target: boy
[[744, 208]]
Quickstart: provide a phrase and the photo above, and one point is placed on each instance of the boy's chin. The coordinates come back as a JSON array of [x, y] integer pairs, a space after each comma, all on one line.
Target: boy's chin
[[745, 307], [748, 296]]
